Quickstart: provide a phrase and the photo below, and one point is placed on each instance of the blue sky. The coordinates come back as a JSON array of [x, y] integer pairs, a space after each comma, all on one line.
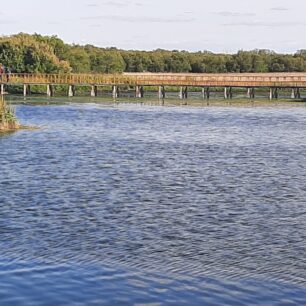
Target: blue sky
[[215, 25]]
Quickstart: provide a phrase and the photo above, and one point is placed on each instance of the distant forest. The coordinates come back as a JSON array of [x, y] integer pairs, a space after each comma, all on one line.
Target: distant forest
[[49, 54]]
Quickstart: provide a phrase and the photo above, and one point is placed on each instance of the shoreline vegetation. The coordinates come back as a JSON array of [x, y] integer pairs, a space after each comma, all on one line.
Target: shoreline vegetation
[[25, 53], [8, 120]]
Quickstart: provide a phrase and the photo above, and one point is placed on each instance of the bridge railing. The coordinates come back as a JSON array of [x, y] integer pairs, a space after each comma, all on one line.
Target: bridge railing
[[234, 80], [65, 79], [159, 79]]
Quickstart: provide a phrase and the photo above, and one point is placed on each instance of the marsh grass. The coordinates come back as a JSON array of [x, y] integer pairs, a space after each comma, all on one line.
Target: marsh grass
[[8, 120]]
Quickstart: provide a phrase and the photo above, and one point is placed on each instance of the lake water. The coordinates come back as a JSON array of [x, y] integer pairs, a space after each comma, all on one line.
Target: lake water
[[148, 205]]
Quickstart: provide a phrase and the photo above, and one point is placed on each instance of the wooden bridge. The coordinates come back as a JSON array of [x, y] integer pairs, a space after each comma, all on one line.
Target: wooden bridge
[[250, 81]]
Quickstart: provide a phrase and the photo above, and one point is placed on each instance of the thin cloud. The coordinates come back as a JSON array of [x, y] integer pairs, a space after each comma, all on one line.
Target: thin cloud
[[265, 24], [116, 3], [234, 14], [95, 26], [121, 3], [279, 9], [133, 19], [54, 23]]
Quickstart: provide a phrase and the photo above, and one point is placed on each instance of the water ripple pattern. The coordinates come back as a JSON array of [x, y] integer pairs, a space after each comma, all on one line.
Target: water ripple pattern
[[140, 205]]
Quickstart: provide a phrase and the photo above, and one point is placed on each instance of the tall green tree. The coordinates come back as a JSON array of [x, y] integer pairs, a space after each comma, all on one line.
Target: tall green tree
[[49, 54]]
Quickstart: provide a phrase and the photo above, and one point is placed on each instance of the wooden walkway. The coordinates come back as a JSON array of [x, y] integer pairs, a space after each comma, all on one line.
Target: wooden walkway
[[250, 81], [280, 80]]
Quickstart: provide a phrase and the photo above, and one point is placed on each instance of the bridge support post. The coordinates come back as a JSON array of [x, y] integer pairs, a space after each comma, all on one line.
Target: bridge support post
[[251, 93], [181, 94], [26, 90], [71, 91], [50, 90], [2, 89], [139, 93], [185, 93], [271, 94], [293, 93], [115, 92], [161, 92], [94, 91], [228, 93], [205, 93], [296, 93]]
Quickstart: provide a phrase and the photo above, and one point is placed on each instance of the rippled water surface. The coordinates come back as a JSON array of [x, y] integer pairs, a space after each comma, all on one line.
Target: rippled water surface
[[127, 204]]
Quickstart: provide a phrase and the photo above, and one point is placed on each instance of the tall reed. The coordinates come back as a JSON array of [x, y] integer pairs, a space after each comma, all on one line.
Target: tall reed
[[8, 120]]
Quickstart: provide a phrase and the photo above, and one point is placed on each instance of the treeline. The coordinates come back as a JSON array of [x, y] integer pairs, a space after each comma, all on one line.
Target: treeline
[[49, 54]]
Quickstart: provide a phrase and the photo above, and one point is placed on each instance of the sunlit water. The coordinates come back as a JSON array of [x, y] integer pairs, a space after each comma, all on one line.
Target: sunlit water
[[131, 204]]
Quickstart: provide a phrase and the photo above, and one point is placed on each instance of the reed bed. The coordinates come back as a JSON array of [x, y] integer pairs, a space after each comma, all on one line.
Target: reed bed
[[8, 120]]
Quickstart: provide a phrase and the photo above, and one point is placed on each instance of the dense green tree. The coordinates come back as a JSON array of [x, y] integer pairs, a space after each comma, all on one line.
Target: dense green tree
[[136, 61], [59, 47], [79, 59], [105, 61], [259, 64], [177, 62], [23, 53], [49, 54], [157, 62]]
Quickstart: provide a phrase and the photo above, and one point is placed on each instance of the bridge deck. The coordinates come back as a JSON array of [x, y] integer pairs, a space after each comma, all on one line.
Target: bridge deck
[[159, 79]]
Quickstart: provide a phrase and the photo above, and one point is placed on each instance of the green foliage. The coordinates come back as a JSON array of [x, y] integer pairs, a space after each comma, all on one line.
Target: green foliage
[[60, 49], [24, 53], [49, 54], [177, 62], [79, 59], [105, 61], [136, 61]]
